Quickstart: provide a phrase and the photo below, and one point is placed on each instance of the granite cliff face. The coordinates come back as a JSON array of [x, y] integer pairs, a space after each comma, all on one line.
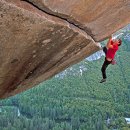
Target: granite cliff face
[[41, 38]]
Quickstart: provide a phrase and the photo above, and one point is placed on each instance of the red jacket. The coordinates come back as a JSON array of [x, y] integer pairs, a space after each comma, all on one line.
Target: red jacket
[[112, 51]]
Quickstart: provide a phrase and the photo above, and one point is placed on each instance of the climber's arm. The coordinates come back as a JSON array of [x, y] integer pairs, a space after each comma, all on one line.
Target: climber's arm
[[109, 45]]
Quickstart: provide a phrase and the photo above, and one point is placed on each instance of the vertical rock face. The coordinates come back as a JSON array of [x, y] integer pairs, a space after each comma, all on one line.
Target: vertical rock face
[[35, 46], [99, 18], [40, 38]]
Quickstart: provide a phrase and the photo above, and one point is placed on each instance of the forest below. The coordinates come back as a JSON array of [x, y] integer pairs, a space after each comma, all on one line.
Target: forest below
[[75, 101]]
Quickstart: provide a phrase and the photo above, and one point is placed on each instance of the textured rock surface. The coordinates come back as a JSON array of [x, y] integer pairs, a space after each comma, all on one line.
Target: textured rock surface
[[99, 18], [37, 42], [35, 46]]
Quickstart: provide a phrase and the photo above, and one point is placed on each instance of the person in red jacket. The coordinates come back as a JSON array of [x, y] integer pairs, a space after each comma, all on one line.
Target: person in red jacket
[[110, 50]]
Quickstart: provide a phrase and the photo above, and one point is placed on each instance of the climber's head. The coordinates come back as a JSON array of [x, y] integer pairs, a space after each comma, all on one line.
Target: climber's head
[[119, 42]]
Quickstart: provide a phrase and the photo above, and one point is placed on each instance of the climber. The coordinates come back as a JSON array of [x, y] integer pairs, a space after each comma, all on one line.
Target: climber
[[110, 50]]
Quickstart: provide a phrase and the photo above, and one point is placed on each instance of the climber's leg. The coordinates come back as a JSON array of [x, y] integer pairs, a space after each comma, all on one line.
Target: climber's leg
[[103, 69]]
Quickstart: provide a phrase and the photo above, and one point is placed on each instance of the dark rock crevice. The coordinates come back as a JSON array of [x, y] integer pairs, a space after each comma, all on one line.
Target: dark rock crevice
[[98, 19], [63, 17]]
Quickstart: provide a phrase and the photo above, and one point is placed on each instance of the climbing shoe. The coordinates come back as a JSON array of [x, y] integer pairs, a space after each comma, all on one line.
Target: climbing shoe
[[103, 80]]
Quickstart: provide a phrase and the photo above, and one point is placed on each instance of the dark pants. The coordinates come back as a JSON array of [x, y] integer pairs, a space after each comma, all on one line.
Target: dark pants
[[105, 64]]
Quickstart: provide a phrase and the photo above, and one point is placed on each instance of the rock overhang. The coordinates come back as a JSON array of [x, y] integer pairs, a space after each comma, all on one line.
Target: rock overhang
[[35, 46]]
